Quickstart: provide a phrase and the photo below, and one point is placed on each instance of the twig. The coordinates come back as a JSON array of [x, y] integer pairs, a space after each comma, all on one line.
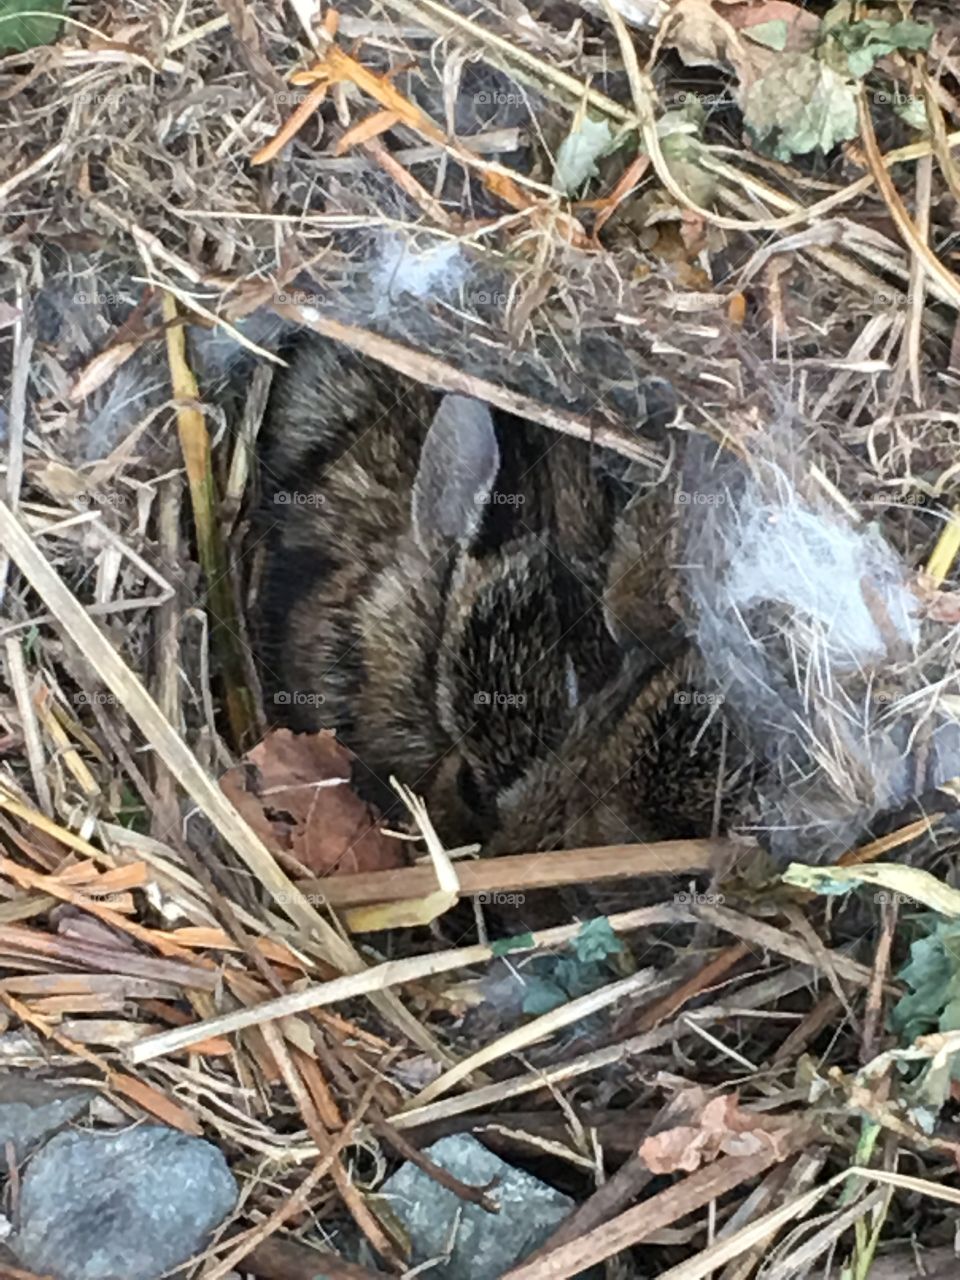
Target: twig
[[522, 872], [437, 373]]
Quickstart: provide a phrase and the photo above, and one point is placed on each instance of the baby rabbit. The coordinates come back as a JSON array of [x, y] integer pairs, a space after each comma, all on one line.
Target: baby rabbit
[[427, 592], [649, 758], [467, 599]]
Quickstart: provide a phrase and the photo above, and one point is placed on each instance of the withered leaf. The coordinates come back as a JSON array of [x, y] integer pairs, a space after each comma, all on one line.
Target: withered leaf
[[721, 1128], [294, 790]]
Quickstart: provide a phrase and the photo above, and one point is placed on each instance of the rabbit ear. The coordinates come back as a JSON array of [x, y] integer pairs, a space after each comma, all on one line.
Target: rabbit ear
[[458, 465]]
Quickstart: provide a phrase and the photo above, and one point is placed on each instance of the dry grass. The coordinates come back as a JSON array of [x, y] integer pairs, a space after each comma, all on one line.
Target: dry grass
[[148, 938]]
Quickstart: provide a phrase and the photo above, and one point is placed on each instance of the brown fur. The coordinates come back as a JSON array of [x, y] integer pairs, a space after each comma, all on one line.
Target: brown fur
[[640, 763], [464, 640]]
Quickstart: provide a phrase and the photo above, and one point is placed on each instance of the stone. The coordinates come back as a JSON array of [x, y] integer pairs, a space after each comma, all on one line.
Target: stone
[[484, 1245], [128, 1205], [32, 1109]]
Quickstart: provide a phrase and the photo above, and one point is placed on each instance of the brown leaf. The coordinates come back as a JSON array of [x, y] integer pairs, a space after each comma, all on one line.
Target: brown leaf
[[941, 606], [294, 790], [701, 36], [721, 1128], [802, 26]]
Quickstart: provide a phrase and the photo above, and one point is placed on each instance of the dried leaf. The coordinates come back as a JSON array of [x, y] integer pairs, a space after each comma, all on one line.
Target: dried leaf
[[721, 1128], [772, 35], [9, 315], [411, 914], [702, 36], [502, 185], [294, 790], [247, 33], [737, 310], [292, 126], [340, 66], [777, 24]]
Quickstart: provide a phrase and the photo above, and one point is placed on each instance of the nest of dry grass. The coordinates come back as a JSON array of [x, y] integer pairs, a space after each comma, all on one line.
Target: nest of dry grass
[[131, 208]]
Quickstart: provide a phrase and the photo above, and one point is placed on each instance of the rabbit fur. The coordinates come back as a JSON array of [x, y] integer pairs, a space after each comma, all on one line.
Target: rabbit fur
[[475, 605]]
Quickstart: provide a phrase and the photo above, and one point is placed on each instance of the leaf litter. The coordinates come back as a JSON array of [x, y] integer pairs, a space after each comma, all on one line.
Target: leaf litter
[[220, 904]]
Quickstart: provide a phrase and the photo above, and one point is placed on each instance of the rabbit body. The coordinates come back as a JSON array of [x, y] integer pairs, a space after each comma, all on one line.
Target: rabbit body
[[471, 603]]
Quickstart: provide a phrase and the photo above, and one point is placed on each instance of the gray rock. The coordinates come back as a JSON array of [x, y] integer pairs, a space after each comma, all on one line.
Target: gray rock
[[484, 1245], [120, 1206], [31, 1109]]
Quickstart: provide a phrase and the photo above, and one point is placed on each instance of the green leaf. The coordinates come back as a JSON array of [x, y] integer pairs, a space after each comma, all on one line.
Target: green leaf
[[868, 41], [773, 35], [911, 35], [933, 976], [596, 941], [683, 160], [801, 105], [543, 996], [18, 31], [579, 152], [913, 112], [861, 61]]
